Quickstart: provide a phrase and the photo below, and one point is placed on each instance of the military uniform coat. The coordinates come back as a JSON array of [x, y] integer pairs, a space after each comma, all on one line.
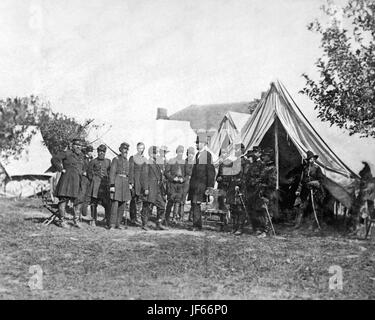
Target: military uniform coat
[[188, 171], [175, 168], [84, 191], [136, 162], [119, 177], [202, 177], [70, 181], [153, 181], [237, 178], [98, 174]]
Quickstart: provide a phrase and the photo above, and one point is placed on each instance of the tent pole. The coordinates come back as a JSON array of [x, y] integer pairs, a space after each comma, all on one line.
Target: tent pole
[[277, 163]]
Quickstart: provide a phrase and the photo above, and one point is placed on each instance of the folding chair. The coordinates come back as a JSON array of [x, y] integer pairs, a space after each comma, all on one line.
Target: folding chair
[[51, 203], [212, 209]]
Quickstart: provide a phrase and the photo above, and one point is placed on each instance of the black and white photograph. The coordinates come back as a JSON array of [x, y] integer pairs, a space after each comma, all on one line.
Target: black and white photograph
[[187, 154]]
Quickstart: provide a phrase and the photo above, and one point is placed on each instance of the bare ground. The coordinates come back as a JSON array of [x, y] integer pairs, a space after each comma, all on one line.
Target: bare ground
[[93, 263]]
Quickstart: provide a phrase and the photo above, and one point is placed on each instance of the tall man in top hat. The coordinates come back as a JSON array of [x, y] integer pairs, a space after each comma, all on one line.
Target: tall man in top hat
[[119, 178], [98, 174], [136, 162], [202, 178]]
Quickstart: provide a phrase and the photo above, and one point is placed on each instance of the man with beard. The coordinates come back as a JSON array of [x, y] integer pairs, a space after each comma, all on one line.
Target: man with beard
[[136, 162], [175, 173], [202, 178], [98, 174], [153, 184], [70, 163], [119, 177], [310, 192], [253, 180]]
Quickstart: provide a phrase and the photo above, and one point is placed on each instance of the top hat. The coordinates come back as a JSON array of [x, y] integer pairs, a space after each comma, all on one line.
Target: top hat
[[310, 154], [201, 138]]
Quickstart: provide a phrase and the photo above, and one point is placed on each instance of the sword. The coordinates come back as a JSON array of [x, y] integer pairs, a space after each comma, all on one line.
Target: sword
[[269, 218], [313, 205]]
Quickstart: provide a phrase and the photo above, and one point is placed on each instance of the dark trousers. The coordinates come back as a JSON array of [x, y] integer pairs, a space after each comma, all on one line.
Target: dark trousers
[[106, 204], [117, 212], [147, 210], [197, 215], [238, 216], [133, 210]]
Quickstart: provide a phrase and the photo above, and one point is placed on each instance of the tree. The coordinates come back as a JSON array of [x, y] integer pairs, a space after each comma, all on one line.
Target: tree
[[16, 114], [345, 92], [58, 130]]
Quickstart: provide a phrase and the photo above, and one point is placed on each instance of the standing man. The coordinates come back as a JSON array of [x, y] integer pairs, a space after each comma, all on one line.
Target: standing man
[[267, 192], [84, 198], [98, 174], [175, 173], [119, 186], [136, 162], [236, 190], [189, 162], [70, 163], [153, 184], [253, 180], [202, 178], [310, 192], [223, 179]]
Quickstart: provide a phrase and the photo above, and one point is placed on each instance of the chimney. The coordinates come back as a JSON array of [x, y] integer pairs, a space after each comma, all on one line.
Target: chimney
[[162, 114]]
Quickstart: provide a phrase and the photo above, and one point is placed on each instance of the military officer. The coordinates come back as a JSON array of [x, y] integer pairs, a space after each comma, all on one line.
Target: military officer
[[236, 187], [253, 179], [84, 198], [136, 162], [153, 184], [175, 172], [266, 191], [202, 178], [119, 186], [70, 163], [98, 174], [223, 179], [310, 192], [189, 162]]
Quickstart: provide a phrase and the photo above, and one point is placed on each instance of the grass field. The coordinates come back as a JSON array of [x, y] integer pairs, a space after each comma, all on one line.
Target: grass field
[[93, 263]]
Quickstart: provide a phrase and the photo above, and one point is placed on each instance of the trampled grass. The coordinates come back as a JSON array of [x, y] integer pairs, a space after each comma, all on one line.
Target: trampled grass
[[93, 263]]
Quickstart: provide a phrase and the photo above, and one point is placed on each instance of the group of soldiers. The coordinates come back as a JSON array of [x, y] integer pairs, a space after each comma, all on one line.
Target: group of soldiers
[[246, 182]]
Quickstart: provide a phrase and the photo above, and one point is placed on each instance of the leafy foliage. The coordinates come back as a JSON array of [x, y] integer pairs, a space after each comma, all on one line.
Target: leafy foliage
[[16, 114], [345, 92]]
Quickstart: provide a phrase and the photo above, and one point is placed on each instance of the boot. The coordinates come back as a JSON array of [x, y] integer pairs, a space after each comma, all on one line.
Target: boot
[[76, 218], [94, 213], [298, 220], [176, 211], [181, 213], [168, 210]]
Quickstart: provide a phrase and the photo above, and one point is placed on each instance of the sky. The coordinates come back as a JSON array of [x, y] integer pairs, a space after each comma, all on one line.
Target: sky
[[119, 60]]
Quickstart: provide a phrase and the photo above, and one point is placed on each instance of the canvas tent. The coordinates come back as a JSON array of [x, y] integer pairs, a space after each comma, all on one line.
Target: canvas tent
[[229, 131], [25, 175], [278, 122]]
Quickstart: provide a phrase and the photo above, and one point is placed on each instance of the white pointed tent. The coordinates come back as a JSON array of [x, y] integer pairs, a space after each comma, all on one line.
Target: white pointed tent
[[25, 175], [229, 131], [279, 123]]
